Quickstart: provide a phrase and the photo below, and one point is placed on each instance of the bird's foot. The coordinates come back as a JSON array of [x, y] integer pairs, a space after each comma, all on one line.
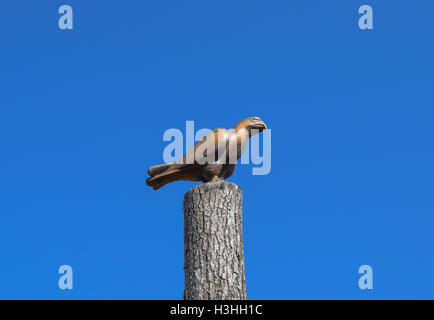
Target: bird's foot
[[216, 178]]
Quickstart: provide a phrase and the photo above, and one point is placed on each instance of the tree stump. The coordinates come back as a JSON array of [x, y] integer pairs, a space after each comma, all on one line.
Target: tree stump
[[213, 242]]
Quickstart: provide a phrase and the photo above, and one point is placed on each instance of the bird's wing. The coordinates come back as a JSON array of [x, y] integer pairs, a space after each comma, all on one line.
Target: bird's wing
[[212, 144]]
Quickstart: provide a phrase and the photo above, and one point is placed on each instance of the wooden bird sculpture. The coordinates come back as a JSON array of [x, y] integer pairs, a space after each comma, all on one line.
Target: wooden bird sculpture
[[212, 158]]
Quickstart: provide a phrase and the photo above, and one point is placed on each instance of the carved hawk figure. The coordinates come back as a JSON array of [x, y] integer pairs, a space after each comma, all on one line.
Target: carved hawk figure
[[212, 158]]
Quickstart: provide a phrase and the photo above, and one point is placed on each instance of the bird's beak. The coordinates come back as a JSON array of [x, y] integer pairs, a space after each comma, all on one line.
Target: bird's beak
[[261, 126]]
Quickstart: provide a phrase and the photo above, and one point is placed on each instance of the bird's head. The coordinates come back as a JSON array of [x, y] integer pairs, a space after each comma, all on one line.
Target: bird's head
[[256, 123], [252, 124]]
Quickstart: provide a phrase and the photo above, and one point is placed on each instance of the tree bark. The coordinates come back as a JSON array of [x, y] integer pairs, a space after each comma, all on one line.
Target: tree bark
[[213, 242]]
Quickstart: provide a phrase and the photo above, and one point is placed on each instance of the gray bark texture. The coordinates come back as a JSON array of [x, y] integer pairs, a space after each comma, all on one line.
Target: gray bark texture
[[213, 242]]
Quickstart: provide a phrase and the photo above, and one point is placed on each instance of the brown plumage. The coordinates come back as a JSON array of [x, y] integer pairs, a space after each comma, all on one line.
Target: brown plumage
[[212, 158]]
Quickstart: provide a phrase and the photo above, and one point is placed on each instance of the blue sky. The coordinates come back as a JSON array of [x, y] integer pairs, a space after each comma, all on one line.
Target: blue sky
[[83, 111]]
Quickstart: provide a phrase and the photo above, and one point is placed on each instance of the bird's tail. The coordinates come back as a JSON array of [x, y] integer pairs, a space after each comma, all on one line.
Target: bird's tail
[[160, 180], [162, 174], [154, 170]]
